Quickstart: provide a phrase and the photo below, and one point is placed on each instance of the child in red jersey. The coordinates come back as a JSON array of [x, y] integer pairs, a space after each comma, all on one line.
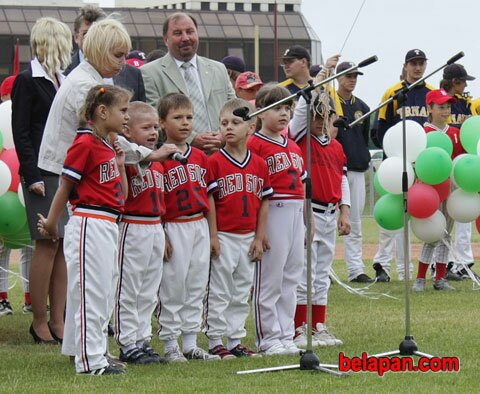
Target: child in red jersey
[[185, 274], [94, 181], [439, 111], [141, 244], [330, 192], [241, 209], [278, 274]]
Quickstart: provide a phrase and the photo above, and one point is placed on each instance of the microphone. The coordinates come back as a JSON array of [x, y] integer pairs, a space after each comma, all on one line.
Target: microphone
[[179, 157], [242, 112], [366, 62], [341, 123], [453, 59]]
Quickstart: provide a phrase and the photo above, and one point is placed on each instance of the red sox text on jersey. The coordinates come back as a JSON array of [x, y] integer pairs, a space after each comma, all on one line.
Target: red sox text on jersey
[[180, 175], [108, 170], [151, 179], [280, 161], [233, 183]]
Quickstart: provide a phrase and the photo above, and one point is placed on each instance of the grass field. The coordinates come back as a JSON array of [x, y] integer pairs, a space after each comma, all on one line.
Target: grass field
[[443, 324]]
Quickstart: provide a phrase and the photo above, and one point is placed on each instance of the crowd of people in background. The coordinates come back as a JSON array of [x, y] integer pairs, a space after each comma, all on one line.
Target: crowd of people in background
[[186, 205]]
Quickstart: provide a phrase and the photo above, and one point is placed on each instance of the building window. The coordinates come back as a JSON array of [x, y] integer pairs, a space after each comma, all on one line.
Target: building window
[[183, 6], [174, 6], [205, 6], [222, 6], [238, 6], [289, 7], [256, 7], [271, 7]]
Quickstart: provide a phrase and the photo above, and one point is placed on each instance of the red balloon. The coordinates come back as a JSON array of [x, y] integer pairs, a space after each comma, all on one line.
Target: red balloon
[[422, 201], [9, 157], [443, 189], [477, 223]]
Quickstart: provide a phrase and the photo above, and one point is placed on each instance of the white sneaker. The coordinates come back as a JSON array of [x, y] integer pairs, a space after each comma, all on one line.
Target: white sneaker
[[324, 337], [198, 353], [419, 285], [175, 356], [301, 339], [274, 350], [291, 348], [5, 308]]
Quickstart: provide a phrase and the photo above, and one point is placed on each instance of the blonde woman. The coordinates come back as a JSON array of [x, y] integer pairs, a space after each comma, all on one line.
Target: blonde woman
[[33, 93]]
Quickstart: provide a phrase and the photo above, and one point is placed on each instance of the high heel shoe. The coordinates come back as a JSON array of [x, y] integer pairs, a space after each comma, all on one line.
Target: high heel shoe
[[39, 340], [52, 333]]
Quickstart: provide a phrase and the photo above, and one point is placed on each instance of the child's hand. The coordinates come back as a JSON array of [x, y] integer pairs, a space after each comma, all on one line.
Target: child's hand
[[38, 188], [214, 247], [332, 61], [168, 250], [256, 250], [343, 225], [163, 153], [119, 153], [265, 243], [46, 229]]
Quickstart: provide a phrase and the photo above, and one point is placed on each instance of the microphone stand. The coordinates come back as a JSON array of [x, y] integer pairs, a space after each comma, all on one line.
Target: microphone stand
[[309, 361], [408, 346]]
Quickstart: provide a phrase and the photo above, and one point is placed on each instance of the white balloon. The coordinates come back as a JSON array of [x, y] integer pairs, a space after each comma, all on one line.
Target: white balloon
[[6, 124], [462, 206], [390, 174], [415, 136], [455, 161], [5, 178], [431, 229], [20, 194]]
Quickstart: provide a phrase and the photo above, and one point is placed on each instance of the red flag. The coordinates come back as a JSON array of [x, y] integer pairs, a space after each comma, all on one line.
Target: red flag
[[16, 59]]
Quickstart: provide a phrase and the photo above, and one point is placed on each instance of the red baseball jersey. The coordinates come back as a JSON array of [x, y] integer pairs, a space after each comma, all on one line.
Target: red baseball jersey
[[241, 187], [187, 185], [285, 165], [91, 165], [145, 194], [453, 133], [328, 165]]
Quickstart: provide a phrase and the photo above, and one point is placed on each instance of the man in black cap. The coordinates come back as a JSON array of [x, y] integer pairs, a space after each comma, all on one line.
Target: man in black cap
[[355, 145], [235, 66], [416, 110], [296, 65]]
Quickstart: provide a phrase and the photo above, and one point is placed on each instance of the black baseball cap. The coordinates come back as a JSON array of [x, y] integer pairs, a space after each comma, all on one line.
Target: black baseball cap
[[345, 66], [414, 54], [136, 55], [456, 71], [296, 52]]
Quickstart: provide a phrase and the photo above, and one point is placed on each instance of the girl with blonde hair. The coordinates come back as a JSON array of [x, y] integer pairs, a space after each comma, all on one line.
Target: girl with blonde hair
[[33, 93]]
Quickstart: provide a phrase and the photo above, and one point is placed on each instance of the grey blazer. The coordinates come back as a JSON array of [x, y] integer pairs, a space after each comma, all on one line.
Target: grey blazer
[[163, 76]]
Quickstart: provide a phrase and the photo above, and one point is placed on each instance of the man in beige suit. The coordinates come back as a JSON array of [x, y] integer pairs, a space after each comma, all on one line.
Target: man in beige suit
[[203, 80]]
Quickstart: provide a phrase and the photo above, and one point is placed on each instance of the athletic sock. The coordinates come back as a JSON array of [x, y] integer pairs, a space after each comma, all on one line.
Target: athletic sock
[[140, 344], [171, 345], [440, 271], [27, 298], [3, 295], [319, 314], [300, 315], [232, 342], [189, 342], [126, 349], [422, 270], [213, 342]]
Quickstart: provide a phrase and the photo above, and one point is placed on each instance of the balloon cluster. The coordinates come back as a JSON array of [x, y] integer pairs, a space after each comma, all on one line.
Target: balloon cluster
[[14, 231], [430, 174]]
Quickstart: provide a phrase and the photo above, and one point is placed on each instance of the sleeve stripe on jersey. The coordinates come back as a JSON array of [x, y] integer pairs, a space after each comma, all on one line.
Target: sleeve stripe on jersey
[[212, 186], [72, 174], [304, 176], [345, 169], [267, 192]]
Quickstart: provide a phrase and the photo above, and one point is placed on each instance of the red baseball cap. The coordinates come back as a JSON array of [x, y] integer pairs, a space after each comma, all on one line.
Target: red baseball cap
[[135, 62], [439, 96], [7, 85], [248, 80]]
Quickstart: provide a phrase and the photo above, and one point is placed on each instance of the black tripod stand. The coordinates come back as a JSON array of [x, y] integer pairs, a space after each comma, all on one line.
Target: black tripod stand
[[309, 360], [408, 346]]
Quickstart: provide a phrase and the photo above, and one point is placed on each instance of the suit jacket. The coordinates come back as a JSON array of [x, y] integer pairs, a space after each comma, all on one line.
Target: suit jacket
[[163, 76], [129, 78], [32, 98]]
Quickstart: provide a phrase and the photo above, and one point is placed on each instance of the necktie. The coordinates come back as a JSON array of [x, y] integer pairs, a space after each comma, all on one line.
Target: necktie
[[200, 116]]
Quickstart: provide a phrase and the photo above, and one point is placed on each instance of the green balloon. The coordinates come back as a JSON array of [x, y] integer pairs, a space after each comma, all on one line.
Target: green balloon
[[1, 142], [12, 214], [433, 165], [470, 134], [20, 239], [378, 188], [440, 140], [388, 211], [466, 173]]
